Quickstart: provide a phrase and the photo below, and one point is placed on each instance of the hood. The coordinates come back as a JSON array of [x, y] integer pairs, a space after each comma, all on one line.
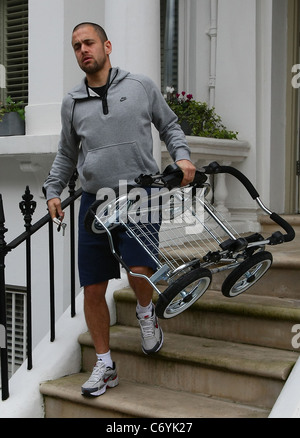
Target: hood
[[81, 91]]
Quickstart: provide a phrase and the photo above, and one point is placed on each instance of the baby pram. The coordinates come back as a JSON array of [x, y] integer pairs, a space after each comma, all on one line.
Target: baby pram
[[188, 239]]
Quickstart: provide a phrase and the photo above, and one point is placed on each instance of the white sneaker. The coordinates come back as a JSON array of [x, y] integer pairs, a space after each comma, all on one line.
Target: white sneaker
[[152, 334], [101, 377]]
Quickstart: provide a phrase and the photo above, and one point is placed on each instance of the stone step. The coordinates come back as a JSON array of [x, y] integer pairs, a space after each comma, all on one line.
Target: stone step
[[281, 280], [241, 373], [268, 226], [283, 277], [222, 358], [135, 400], [257, 320]]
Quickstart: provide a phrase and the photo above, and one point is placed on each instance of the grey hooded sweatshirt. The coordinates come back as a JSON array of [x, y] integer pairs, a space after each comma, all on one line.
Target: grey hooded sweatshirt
[[109, 139]]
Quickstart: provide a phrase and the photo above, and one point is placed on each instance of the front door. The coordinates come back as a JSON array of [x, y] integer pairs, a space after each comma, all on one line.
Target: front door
[[292, 168]]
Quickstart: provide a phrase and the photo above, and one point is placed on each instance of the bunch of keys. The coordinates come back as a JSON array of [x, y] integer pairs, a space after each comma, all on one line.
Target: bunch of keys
[[60, 225]]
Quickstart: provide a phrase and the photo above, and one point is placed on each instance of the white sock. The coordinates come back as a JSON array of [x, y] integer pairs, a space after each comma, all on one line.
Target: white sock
[[144, 311], [106, 358]]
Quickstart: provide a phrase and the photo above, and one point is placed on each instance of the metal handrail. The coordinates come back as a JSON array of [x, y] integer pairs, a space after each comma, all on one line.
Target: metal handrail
[[27, 206]]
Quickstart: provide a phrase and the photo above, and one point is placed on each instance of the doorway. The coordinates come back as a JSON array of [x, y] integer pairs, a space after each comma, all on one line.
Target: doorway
[[292, 169]]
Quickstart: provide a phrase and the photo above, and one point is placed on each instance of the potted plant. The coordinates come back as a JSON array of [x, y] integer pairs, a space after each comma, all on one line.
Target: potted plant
[[196, 118], [12, 118]]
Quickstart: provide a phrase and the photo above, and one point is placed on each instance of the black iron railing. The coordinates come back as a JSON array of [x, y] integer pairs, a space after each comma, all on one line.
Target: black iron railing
[[27, 206]]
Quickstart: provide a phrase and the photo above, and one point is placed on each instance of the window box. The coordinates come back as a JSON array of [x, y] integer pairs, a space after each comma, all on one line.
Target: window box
[[12, 124]]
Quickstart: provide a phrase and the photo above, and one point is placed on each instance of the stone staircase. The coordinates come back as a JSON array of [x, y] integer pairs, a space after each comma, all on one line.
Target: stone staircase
[[222, 358]]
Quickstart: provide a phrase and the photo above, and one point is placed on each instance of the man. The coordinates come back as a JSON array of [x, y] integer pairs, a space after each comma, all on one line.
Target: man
[[106, 133]]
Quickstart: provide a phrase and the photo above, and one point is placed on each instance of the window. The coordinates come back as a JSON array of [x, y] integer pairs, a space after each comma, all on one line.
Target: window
[[169, 43], [14, 49], [16, 326]]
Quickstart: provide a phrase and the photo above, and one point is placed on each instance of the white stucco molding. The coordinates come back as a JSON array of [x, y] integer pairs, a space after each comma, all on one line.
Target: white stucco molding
[[34, 154], [25, 145], [211, 149], [205, 150]]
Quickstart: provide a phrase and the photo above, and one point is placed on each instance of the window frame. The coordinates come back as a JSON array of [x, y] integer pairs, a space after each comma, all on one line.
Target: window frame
[[14, 49]]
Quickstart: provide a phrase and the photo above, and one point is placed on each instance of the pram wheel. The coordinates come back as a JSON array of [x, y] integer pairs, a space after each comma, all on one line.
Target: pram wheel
[[247, 274], [183, 293]]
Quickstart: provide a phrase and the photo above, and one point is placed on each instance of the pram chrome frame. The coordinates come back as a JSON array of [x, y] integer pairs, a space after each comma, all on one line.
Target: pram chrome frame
[[188, 280]]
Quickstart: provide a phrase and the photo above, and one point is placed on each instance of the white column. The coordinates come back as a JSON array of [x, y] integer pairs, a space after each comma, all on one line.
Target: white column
[[45, 66], [133, 27], [236, 85], [213, 50], [53, 69]]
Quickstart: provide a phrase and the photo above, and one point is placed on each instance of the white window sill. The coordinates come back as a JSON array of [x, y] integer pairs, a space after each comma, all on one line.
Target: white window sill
[[210, 149], [22, 145]]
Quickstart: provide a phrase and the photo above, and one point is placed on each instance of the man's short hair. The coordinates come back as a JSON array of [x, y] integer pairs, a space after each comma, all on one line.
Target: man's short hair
[[100, 31]]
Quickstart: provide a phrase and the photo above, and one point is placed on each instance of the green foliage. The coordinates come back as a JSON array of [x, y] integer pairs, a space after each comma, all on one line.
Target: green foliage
[[10, 106], [202, 120]]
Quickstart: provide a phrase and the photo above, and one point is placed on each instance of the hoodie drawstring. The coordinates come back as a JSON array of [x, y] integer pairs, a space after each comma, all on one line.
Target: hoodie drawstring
[[103, 97]]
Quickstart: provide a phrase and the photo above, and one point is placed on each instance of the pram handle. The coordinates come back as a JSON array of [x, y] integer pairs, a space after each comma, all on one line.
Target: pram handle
[[277, 237], [170, 178], [214, 168], [286, 226]]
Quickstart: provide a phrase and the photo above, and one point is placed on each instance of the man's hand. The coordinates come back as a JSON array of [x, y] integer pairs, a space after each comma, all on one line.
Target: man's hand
[[54, 207], [188, 170]]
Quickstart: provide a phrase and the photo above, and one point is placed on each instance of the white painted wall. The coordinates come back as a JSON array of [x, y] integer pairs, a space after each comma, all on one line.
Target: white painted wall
[[235, 95], [50, 360], [288, 403], [52, 65], [133, 27], [278, 105], [194, 47], [46, 21]]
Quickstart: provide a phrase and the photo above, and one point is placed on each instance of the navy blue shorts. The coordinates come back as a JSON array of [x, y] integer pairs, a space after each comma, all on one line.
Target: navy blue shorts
[[96, 263]]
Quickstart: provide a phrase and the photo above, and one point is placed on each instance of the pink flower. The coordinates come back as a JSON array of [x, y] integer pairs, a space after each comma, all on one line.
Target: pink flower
[[183, 93], [189, 96]]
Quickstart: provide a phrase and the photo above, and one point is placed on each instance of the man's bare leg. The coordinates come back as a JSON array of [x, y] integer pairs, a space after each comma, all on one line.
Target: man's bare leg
[[97, 312], [141, 287], [152, 335], [97, 315], [98, 321]]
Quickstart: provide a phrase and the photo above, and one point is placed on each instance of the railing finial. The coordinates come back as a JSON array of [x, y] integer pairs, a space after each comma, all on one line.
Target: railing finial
[[27, 207], [3, 230]]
